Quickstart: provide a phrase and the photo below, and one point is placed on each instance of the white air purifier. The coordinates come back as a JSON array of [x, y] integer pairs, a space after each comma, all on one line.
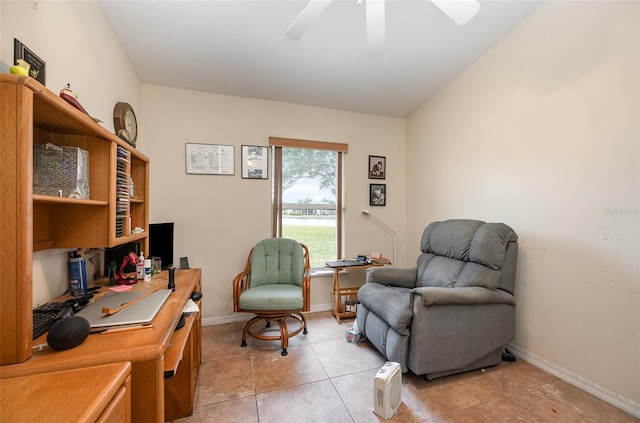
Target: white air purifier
[[387, 390]]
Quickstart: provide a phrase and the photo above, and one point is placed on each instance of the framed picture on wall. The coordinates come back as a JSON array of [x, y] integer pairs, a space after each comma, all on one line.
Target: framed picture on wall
[[210, 159], [377, 167], [255, 162], [377, 194]]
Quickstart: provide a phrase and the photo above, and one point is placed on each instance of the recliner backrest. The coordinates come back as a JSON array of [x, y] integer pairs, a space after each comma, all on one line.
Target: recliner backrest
[[458, 253], [277, 260]]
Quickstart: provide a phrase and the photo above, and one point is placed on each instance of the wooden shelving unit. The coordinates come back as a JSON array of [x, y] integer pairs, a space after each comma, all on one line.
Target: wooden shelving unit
[[32, 114]]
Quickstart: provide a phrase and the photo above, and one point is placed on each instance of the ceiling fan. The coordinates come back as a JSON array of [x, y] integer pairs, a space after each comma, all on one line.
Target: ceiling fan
[[460, 11]]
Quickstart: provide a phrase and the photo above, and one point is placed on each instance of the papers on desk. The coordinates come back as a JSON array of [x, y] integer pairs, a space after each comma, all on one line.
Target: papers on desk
[[190, 307], [344, 263], [120, 288], [353, 262]]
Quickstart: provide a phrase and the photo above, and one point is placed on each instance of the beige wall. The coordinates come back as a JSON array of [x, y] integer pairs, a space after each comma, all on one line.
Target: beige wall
[[219, 218], [79, 48], [542, 133]]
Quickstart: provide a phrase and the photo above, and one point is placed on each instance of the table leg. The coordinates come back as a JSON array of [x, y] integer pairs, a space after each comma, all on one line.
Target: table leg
[[336, 295]]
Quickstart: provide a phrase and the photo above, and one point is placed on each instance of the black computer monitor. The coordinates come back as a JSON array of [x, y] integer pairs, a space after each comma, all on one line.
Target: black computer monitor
[[161, 242]]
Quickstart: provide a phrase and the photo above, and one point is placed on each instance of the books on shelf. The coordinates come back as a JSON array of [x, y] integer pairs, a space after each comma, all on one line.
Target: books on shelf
[[123, 193]]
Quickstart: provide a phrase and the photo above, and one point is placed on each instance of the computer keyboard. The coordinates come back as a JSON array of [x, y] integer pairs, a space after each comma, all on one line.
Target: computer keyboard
[[47, 314]]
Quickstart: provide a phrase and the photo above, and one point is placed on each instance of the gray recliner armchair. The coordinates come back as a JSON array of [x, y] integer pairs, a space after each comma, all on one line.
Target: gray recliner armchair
[[455, 310]]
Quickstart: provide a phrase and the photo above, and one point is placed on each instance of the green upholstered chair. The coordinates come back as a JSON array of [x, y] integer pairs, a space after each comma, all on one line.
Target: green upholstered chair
[[275, 285]]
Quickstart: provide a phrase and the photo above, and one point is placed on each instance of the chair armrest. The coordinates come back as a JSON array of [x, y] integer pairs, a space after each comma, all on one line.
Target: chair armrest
[[404, 277], [240, 284], [461, 296]]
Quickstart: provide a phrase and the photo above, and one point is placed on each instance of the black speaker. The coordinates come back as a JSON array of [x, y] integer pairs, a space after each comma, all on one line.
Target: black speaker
[[68, 333]]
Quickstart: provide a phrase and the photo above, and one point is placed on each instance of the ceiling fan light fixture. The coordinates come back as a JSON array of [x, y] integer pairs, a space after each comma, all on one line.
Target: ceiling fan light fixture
[[375, 27], [460, 11]]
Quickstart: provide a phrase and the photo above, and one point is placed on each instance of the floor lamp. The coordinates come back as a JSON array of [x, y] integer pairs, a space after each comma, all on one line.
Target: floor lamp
[[395, 237]]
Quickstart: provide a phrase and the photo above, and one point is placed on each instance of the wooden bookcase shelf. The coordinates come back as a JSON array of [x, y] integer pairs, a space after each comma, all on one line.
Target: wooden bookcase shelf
[[33, 115]]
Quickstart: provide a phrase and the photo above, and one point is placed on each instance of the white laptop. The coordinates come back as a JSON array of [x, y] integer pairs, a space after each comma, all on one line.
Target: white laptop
[[139, 313]]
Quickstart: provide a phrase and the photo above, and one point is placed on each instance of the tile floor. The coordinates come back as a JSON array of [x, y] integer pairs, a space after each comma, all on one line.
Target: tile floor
[[326, 379]]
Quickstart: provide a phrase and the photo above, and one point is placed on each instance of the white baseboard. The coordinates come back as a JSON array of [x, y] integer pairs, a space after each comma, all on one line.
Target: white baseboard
[[597, 391], [243, 317]]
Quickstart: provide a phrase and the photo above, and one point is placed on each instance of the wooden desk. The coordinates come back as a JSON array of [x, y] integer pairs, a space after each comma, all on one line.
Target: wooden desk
[[345, 299], [146, 349], [98, 393]]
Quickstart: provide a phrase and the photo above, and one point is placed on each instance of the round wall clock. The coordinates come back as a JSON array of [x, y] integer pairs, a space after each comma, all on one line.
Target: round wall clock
[[125, 123]]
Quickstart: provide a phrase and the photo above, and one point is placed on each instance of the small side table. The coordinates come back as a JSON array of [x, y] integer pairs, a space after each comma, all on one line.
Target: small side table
[[345, 300]]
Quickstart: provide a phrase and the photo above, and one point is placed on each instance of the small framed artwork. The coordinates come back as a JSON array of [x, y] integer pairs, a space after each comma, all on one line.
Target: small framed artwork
[[377, 167], [37, 67], [210, 159], [255, 163], [377, 194]]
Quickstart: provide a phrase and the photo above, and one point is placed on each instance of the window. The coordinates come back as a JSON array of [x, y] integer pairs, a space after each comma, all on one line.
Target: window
[[307, 195]]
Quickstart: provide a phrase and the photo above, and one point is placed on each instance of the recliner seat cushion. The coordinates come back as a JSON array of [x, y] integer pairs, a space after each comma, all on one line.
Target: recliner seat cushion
[[395, 310]]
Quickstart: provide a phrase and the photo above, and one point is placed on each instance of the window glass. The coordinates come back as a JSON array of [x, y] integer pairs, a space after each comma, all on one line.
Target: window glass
[[309, 201], [307, 181]]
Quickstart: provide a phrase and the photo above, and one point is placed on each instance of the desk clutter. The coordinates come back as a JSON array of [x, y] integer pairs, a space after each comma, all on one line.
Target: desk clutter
[[47, 314], [137, 314], [374, 258], [70, 322], [68, 333]]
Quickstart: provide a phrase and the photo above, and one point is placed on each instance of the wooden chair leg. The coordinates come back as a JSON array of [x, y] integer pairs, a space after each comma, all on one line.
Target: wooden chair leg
[[304, 323], [284, 335], [245, 331]]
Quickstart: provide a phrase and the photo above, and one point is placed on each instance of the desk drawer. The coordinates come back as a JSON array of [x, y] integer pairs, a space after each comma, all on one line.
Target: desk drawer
[[119, 409]]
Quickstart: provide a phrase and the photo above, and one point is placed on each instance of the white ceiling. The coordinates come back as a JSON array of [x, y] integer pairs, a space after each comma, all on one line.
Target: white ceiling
[[239, 48]]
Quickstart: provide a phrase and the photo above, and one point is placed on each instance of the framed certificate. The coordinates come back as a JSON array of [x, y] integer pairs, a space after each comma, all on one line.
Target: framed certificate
[[210, 159], [255, 162]]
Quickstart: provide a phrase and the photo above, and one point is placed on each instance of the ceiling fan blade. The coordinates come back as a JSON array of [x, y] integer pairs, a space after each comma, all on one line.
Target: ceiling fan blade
[[310, 13], [375, 27], [461, 11]]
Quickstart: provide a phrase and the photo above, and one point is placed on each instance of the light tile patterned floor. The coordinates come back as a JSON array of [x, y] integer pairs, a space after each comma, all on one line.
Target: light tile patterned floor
[[326, 379]]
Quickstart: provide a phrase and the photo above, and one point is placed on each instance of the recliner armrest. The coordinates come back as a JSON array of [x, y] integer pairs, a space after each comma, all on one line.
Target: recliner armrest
[[394, 276], [462, 296]]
